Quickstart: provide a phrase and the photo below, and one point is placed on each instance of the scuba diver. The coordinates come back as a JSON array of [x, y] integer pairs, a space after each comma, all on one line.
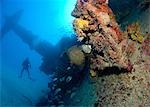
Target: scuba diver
[[26, 65]]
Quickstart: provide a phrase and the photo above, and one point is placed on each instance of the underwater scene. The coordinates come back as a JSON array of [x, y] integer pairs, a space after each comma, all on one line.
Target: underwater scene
[[74, 53]]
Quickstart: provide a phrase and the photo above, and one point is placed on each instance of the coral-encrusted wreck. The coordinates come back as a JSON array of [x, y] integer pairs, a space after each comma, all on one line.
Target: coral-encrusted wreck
[[96, 26]]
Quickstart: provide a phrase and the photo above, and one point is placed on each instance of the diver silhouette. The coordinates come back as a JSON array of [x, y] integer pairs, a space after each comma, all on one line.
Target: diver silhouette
[[26, 65]]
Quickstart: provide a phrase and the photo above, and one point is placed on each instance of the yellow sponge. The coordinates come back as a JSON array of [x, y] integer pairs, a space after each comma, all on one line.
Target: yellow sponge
[[81, 24]]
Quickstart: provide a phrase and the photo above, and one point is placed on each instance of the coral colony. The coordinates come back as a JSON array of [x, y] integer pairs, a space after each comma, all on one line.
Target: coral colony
[[96, 25], [102, 50]]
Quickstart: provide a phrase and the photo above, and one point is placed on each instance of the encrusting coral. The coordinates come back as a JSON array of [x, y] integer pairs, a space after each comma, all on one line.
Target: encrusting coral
[[92, 73], [97, 26], [80, 24], [134, 32], [146, 45]]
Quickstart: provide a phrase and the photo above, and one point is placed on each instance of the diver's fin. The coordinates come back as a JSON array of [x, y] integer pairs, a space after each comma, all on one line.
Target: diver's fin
[[10, 22]]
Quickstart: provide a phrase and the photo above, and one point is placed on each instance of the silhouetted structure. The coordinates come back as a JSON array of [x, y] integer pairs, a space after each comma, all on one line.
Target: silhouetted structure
[[48, 52]]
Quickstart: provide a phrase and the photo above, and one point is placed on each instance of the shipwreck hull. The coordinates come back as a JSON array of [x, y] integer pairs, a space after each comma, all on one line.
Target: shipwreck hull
[[112, 87]]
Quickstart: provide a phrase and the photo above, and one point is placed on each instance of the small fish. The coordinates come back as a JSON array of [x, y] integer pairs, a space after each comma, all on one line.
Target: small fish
[[72, 95], [68, 91], [68, 68], [80, 39], [57, 91], [55, 79], [68, 79]]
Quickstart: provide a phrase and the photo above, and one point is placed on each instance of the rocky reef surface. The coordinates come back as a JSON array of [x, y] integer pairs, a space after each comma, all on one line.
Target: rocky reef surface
[[119, 64], [109, 67]]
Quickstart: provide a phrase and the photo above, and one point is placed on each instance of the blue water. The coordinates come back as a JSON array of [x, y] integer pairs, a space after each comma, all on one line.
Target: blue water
[[43, 17], [50, 20]]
